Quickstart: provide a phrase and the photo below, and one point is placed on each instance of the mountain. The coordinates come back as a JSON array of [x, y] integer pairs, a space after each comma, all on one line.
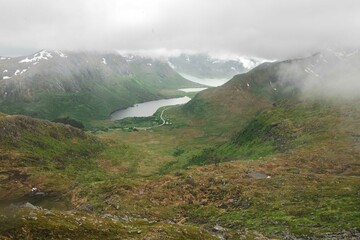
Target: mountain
[[288, 149], [272, 154], [205, 66], [325, 74], [82, 85]]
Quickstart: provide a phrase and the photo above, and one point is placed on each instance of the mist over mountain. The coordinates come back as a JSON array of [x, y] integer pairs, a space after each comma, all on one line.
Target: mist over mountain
[[196, 120], [330, 74], [205, 66], [98, 83], [327, 75]]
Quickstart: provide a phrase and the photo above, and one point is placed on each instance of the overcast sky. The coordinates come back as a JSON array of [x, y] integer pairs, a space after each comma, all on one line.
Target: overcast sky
[[273, 29]]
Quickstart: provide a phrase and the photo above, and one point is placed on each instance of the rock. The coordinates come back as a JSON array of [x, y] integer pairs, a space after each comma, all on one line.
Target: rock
[[32, 218], [111, 216], [48, 213], [30, 206], [257, 175], [32, 214], [203, 201], [87, 207], [245, 203], [39, 194], [219, 228], [125, 219]]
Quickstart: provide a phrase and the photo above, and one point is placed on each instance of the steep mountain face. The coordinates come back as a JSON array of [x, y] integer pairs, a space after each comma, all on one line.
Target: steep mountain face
[[205, 66], [324, 74], [83, 85]]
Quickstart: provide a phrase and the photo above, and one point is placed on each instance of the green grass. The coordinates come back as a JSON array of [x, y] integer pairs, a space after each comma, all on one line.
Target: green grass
[[182, 173]]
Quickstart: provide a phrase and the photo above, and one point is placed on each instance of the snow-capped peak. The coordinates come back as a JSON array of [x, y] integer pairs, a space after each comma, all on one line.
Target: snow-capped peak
[[37, 57]]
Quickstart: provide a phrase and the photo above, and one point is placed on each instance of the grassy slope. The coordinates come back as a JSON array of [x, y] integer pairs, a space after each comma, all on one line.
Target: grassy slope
[[223, 109], [310, 149], [312, 155], [65, 165], [42, 154]]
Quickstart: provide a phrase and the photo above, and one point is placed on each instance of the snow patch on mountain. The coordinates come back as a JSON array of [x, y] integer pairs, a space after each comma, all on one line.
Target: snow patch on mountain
[[171, 65], [250, 63], [61, 54], [103, 61], [129, 59], [37, 57], [309, 70]]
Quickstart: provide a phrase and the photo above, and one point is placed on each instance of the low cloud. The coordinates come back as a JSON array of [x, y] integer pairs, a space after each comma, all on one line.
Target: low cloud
[[276, 29], [329, 74]]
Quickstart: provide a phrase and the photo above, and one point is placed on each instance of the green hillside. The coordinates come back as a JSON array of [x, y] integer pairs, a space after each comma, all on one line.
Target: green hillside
[[61, 162], [83, 87], [261, 157]]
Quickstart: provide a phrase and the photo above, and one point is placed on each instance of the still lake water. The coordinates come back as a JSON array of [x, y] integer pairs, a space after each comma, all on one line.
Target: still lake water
[[211, 82], [147, 109], [190, 90]]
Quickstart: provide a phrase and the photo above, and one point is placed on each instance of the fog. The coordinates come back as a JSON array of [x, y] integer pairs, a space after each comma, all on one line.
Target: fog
[[330, 74], [271, 29]]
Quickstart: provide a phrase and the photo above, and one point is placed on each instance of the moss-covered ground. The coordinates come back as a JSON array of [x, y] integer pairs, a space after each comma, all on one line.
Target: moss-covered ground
[[292, 171]]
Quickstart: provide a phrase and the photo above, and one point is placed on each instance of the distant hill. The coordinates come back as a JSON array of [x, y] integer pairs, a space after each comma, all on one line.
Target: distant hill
[[82, 85], [205, 66], [329, 73]]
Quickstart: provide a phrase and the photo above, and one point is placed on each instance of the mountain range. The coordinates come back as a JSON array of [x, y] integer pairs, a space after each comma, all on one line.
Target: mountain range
[[89, 85], [271, 154], [206, 66], [83, 85]]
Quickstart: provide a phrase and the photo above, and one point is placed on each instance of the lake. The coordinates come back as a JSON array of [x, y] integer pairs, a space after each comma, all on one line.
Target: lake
[[190, 90], [212, 82], [147, 109]]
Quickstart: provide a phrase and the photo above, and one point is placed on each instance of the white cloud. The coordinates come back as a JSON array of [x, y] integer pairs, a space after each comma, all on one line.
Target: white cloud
[[273, 29]]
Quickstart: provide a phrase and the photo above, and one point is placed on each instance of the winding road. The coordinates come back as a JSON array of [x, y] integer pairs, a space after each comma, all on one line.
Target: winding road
[[162, 119]]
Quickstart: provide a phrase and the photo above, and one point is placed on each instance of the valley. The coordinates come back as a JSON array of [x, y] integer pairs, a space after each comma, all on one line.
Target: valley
[[83, 85], [260, 157]]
